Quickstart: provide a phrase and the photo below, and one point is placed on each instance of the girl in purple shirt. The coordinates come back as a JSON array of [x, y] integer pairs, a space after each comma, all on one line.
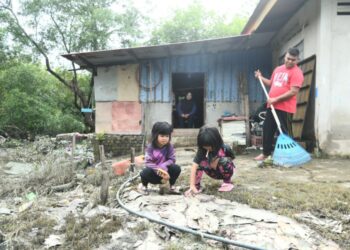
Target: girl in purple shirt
[[160, 159]]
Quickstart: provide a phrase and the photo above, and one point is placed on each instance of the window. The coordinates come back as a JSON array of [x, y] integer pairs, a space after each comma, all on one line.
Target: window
[[343, 8]]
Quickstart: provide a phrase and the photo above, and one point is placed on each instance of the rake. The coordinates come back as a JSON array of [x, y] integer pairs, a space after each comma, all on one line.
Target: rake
[[288, 153]]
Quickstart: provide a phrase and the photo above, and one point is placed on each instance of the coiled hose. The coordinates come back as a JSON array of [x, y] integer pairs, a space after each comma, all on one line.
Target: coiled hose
[[180, 228]]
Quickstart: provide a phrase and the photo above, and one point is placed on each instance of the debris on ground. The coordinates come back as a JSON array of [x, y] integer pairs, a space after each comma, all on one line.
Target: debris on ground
[[50, 199]]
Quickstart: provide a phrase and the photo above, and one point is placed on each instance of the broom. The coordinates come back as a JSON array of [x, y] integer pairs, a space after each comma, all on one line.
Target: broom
[[288, 153]]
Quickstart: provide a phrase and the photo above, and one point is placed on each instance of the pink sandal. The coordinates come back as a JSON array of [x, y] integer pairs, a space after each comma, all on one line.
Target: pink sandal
[[226, 187], [260, 157]]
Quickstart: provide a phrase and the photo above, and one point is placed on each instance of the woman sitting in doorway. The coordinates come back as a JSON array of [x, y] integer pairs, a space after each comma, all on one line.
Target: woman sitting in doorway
[[186, 109]]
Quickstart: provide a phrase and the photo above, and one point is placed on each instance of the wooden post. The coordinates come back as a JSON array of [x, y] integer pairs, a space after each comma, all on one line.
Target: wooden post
[[246, 111], [132, 160], [244, 94], [73, 145], [105, 177]]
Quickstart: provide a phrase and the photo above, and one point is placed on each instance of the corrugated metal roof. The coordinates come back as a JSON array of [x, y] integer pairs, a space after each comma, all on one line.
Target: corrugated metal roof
[[120, 56], [265, 19]]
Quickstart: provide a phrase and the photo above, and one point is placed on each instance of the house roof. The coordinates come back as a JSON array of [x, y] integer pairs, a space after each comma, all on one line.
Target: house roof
[[92, 60], [271, 15]]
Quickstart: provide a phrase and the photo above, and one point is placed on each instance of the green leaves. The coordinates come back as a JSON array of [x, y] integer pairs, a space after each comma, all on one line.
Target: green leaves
[[196, 23], [80, 25], [32, 102]]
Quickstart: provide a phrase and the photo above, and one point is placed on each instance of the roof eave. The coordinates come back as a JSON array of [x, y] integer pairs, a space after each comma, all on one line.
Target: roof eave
[[133, 55], [261, 11]]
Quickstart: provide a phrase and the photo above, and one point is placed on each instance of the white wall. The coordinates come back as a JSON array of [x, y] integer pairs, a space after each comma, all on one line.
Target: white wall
[[156, 112], [335, 53], [303, 26], [214, 111]]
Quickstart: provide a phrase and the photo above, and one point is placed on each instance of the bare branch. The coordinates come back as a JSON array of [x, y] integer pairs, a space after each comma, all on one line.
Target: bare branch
[[61, 33], [36, 45]]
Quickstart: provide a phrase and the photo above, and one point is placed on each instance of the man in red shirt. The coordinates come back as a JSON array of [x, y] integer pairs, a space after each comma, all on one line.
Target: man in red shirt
[[284, 84]]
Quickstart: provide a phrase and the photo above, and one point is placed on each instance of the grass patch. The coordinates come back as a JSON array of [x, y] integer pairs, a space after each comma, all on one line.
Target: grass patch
[[261, 190], [323, 200], [26, 223], [140, 227], [83, 233]]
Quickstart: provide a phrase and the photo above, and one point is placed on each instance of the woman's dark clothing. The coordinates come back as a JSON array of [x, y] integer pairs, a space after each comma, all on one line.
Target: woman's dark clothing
[[183, 108]]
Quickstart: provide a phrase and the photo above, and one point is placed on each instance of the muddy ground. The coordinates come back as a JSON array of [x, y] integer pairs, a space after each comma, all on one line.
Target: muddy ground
[[50, 200]]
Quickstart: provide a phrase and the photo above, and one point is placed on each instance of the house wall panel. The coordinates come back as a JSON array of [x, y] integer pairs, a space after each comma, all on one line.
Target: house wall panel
[[106, 84], [103, 120], [127, 85]]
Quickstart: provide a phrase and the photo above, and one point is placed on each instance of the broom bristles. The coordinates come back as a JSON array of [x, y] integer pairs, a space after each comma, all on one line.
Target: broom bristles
[[289, 153]]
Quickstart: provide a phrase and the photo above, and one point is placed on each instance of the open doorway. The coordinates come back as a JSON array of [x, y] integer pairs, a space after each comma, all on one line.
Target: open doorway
[[182, 83]]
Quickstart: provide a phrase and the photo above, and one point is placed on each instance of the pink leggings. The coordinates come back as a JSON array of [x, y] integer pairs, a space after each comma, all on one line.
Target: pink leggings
[[224, 171]]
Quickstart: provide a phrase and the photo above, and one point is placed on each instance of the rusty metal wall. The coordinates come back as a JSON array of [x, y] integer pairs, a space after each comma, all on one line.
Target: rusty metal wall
[[221, 71]]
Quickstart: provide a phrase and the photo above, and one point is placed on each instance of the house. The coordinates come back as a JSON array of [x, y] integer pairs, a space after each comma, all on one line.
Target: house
[[320, 29], [136, 87]]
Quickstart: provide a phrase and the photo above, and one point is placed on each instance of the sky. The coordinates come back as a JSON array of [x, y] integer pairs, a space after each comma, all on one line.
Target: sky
[[162, 9]]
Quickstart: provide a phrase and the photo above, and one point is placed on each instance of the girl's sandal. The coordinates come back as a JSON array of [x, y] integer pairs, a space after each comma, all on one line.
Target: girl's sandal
[[142, 189], [173, 190], [226, 187]]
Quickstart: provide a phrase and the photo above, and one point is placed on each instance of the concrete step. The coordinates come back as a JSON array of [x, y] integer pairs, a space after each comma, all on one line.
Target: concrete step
[[184, 141], [185, 132], [184, 137]]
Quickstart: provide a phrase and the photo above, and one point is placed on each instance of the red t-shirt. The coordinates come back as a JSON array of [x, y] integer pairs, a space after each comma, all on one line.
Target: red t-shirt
[[282, 80]]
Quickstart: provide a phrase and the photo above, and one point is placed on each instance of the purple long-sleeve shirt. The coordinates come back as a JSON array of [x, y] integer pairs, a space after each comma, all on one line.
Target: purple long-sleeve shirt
[[160, 157]]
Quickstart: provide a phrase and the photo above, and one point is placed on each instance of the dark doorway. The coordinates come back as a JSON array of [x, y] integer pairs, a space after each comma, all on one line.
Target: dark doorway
[[182, 83]]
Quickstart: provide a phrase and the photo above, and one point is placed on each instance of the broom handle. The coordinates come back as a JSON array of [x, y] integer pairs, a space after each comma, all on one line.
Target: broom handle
[[272, 108]]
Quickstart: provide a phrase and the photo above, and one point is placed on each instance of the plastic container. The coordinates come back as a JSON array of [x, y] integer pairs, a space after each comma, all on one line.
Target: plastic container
[[120, 167]]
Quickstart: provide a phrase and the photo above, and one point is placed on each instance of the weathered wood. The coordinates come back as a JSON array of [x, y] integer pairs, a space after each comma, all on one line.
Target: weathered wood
[[246, 113], [105, 177], [244, 96], [73, 145], [132, 160], [64, 187]]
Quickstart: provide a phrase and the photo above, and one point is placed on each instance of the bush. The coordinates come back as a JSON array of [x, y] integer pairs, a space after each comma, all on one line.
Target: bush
[[33, 103]]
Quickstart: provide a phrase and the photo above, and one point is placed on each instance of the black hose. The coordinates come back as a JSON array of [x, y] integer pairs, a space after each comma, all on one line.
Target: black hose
[[180, 228]]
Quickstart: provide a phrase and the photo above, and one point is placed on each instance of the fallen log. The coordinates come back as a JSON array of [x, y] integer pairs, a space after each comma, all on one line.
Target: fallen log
[[64, 187]]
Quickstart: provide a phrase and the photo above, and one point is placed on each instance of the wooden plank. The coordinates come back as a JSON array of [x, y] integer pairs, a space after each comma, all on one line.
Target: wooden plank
[[308, 68]]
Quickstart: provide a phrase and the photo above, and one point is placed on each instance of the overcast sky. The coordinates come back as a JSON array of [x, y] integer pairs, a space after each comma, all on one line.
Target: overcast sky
[[162, 9]]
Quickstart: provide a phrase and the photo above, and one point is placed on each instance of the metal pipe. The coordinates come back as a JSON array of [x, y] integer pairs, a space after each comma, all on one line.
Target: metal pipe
[[180, 228]]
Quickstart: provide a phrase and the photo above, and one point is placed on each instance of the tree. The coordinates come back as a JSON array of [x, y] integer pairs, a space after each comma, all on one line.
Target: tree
[[196, 23], [65, 26], [33, 102]]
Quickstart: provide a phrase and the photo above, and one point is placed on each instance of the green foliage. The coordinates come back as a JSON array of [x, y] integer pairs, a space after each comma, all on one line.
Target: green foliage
[[196, 23], [64, 26], [73, 26], [101, 136], [31, 102], [2, 47]]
